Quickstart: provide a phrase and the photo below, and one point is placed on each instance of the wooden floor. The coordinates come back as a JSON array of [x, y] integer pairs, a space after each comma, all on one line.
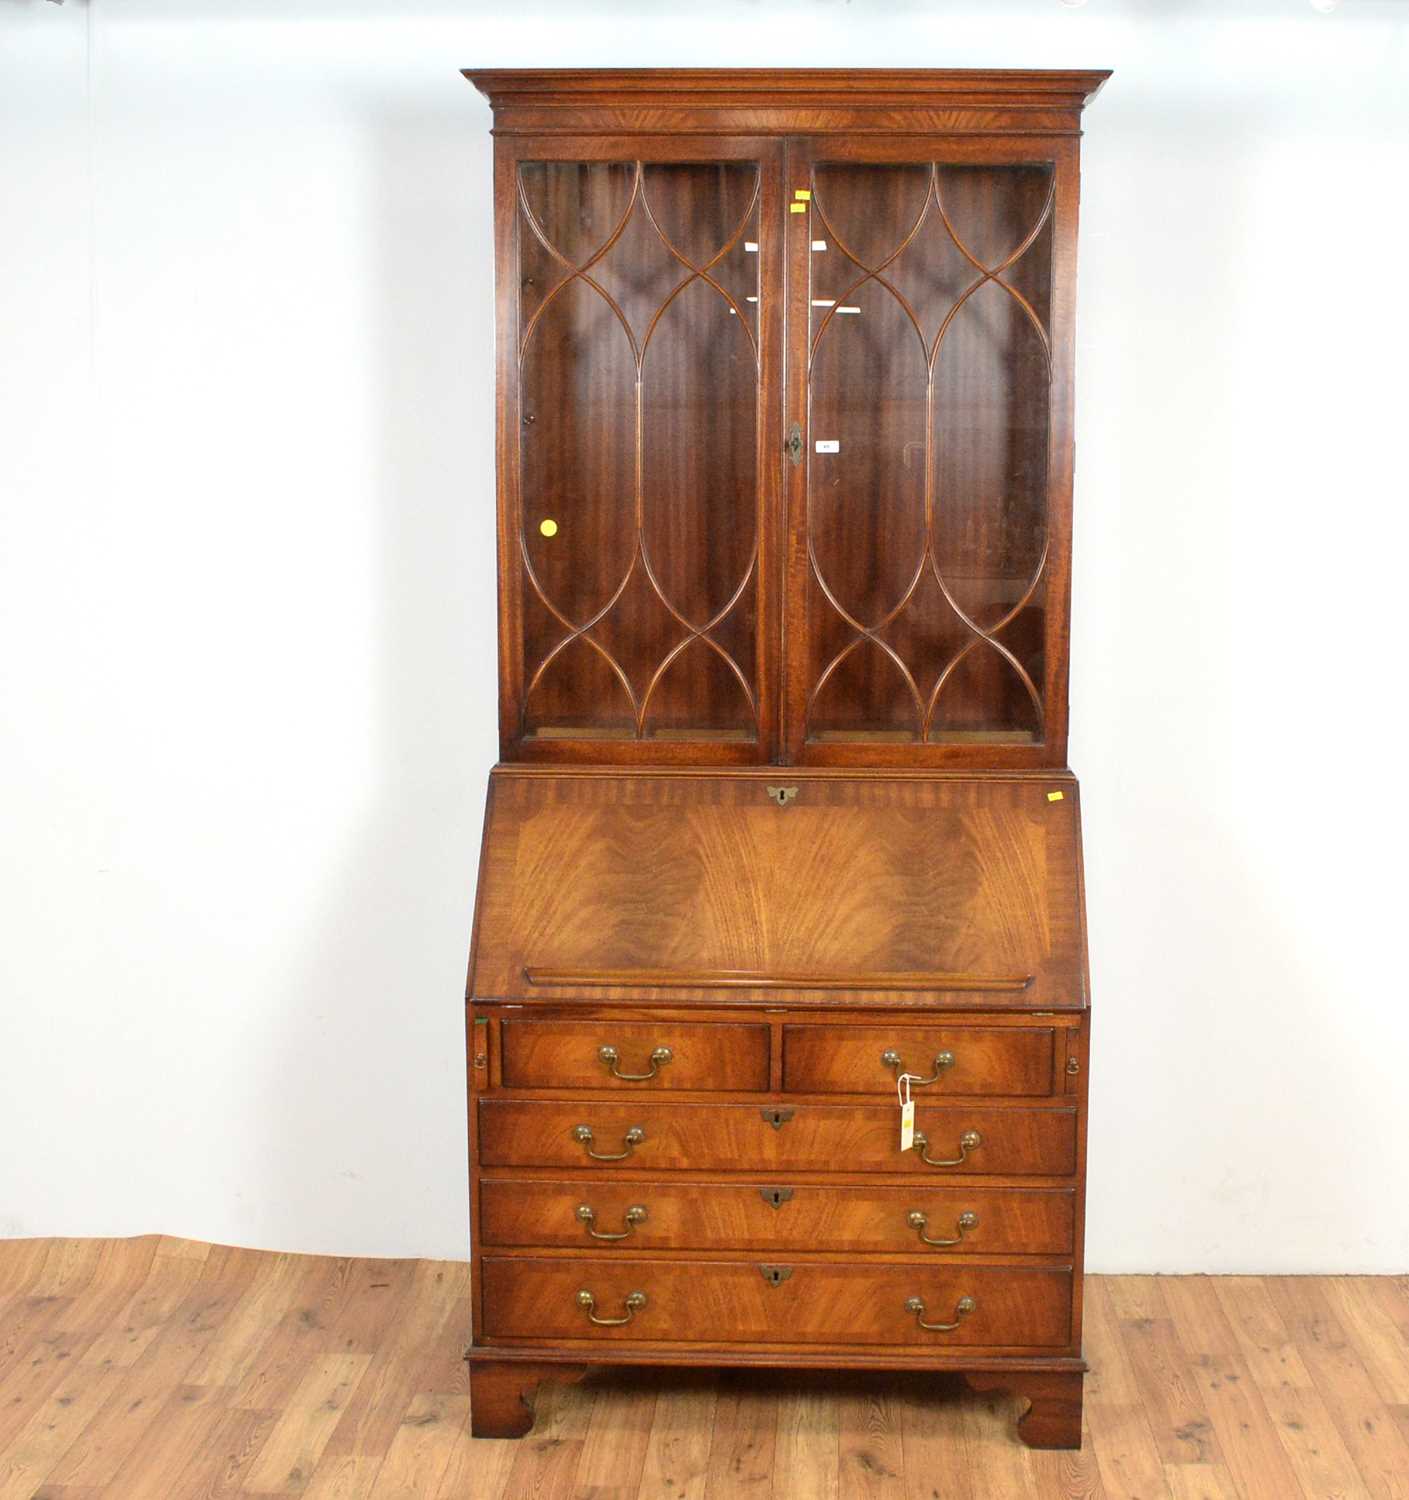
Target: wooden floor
[[169, 1369]]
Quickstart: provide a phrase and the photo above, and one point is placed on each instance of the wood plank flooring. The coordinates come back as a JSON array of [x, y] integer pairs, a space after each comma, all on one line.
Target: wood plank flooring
[[170, 1369]]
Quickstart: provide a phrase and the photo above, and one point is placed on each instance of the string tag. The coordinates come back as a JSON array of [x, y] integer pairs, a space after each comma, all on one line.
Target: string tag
[[907, 1110]]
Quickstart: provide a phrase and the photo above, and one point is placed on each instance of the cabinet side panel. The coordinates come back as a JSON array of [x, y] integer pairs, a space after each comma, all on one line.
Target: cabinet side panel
[[506, 468]]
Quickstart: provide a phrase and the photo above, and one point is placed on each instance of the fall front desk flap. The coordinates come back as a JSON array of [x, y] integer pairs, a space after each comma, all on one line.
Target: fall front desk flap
[[781, 885]]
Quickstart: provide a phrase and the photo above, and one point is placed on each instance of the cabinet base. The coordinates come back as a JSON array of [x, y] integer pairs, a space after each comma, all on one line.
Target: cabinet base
[[502, 1392], [1053, 1417]]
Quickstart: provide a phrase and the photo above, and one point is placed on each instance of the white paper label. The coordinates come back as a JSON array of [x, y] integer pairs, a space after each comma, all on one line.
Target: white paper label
[[907, 1125], [819, 244], [848, 309], [829, 445], [824, 302], [750, 247]]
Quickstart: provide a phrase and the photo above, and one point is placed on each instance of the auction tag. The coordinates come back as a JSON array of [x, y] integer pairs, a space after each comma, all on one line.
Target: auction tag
[[907, 1111]]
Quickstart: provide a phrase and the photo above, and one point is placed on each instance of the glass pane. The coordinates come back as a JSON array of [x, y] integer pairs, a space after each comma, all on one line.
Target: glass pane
[[578, 452], [866, 512], [638, 286], [930, 400]]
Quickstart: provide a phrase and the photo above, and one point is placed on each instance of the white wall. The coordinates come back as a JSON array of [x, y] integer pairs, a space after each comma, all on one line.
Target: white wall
[[246, 623]]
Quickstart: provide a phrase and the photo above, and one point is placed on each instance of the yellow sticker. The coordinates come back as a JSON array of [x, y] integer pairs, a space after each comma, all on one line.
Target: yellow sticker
[[803, 194], [798, 208], [550, 528], [1055, 796]]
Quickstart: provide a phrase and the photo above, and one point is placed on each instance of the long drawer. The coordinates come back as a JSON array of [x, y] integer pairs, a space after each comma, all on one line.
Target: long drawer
[[634, 1056], [738, 1216], [950, 1059], [649, 1301], [650, 1135]]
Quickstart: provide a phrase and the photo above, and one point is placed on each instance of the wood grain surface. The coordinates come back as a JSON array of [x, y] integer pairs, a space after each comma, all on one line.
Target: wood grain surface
[[728, 1302], [161, 1367], [566, 1055], [942, 1060], [698, 1215], [1013, 1140], [970, 886]]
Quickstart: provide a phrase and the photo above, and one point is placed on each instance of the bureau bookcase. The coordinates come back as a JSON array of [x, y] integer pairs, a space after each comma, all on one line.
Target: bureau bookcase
[[782, 816]]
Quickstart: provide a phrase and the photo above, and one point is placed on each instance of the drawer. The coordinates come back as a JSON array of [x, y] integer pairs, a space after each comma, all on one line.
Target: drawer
[[647, 1135], [956, 1059], [775, 1217], [639, 1055], [802, 1303]]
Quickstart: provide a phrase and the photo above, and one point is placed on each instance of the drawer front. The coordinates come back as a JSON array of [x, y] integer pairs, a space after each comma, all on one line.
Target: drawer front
[[775, 1217], [958, 1059], [650, 1135], [806, 1302], [639, 1056]]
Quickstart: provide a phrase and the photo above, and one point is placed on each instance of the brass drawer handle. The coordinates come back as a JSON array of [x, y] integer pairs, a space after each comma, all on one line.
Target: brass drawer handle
[[634, 1303], [943, 1061], [971, 1140], [633, 1138], [636, 1214], [610, 1057], [962, 1308], [917, 1222]]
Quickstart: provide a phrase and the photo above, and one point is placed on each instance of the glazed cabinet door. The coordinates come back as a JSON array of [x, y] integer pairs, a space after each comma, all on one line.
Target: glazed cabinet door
[[639, 349], [929, 381]]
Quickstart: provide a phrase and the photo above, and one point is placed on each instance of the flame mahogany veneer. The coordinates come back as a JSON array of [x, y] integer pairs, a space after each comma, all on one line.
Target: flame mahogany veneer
[[784, 516]]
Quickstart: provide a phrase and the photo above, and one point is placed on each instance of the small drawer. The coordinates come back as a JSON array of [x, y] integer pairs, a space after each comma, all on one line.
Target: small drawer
[[649, 1135], [662, 1301], [950, 1060], [777, 1217], [633, 1055]]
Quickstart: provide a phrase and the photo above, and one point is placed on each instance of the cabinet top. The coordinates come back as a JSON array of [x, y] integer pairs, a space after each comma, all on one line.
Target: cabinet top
[[777, 100]]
